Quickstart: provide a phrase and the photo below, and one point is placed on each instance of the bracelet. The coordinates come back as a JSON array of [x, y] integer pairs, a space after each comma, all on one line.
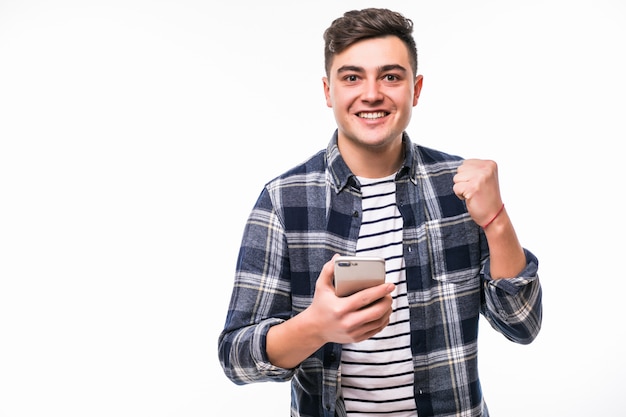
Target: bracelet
[[494, 217]]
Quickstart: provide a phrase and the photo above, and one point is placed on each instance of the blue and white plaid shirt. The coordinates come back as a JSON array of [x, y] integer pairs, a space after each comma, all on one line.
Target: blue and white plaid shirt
[[305, 216]]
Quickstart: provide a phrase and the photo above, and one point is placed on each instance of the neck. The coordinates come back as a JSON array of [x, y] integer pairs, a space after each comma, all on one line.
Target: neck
[[372, 162]]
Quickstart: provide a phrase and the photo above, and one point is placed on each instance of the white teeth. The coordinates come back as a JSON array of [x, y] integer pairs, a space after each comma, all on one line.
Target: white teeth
[[372, 115]]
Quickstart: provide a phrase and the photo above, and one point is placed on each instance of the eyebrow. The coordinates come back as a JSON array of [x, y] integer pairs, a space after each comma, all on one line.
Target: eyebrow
[[384, 68]]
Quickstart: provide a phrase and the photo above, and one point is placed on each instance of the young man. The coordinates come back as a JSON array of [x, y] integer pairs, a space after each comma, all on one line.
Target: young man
[[407, 347]]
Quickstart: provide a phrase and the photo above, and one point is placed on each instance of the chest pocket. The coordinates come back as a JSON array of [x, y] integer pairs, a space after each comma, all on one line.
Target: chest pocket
[[454, 249]]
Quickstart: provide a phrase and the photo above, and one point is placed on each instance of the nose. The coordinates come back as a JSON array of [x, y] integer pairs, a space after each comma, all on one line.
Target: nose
[[371, 91]]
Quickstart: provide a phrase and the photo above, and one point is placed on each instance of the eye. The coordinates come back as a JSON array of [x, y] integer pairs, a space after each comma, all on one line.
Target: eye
[[391, 77], [351, 78]]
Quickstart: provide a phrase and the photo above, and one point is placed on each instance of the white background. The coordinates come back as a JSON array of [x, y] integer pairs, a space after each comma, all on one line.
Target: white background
[[136, 135]]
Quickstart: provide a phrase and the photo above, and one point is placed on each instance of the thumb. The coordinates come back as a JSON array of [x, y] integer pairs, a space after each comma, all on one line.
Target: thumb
[[327, 275]]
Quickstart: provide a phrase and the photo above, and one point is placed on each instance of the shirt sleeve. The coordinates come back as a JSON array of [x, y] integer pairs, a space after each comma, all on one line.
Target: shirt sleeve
[[260, 299], [513, 306]]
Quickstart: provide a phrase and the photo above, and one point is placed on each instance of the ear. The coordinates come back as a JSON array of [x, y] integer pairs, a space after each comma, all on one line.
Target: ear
[[329, 102], [417, 88]]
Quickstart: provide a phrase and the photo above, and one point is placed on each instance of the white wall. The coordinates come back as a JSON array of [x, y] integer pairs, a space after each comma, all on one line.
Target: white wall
[[136, 135]]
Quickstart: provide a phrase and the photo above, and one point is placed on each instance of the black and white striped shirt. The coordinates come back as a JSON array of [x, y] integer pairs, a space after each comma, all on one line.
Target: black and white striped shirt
[[377, 374]]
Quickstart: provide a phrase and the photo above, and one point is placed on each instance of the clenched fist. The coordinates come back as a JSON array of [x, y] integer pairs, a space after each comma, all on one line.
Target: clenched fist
[[476, 182]]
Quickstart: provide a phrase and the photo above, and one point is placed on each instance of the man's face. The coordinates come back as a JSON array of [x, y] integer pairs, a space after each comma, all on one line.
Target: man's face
[[372, 90]]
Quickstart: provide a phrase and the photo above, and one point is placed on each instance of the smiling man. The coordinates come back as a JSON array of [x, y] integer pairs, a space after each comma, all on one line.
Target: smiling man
[[407, 347]]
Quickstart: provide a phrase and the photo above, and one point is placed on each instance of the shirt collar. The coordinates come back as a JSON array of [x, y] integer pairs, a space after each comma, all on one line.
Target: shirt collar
[[341, 176]]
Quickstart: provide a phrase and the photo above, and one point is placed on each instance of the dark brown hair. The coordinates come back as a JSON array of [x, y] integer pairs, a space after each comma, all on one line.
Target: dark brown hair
[[357, 25]]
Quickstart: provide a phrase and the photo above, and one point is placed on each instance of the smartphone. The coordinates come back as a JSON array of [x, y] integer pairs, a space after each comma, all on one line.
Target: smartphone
[[354, 273]]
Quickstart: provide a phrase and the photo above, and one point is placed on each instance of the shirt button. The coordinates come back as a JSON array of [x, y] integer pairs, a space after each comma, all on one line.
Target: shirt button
[[355, 214]]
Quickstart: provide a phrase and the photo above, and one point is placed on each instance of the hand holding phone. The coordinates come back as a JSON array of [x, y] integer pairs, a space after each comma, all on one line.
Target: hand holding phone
[[354, 273]]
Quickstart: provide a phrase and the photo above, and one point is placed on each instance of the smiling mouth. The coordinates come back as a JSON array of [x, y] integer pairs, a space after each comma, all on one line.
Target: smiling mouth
[[372, 115]]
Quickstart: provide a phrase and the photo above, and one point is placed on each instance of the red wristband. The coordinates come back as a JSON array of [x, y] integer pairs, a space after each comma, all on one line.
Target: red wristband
[[494, 217]]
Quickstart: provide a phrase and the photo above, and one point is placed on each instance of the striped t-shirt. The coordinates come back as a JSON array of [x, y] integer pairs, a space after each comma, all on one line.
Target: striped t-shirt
[[377, 374]]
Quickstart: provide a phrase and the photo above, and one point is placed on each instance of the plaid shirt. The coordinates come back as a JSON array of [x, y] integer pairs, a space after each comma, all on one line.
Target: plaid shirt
[[305, 216]]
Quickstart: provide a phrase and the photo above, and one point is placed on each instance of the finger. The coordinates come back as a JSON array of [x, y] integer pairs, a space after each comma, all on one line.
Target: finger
[[370, 296], [327, 274], [459, 177], [459, 190], [377, 324]]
